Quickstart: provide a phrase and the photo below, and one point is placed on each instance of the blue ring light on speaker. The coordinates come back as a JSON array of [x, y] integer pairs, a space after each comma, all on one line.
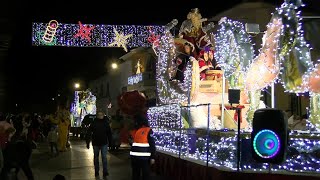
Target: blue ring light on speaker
[[266, 144]]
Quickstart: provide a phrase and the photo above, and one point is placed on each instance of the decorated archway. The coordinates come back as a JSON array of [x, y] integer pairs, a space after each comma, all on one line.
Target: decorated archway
[[54, 33]]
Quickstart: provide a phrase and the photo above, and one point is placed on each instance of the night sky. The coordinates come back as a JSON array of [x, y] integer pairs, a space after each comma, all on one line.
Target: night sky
[[36, 74]]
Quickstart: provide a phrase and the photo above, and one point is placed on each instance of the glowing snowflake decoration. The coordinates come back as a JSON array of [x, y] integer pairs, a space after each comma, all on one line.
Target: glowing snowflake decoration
[[84, 32], [153, 38], [120, 40]]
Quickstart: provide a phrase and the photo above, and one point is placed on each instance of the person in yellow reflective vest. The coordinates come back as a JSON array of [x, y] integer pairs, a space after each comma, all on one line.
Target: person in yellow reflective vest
[[143, 148]]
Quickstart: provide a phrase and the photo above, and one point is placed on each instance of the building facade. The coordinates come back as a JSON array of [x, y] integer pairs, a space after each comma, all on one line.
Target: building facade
[[106, 89], [136, 71], [139, 69]]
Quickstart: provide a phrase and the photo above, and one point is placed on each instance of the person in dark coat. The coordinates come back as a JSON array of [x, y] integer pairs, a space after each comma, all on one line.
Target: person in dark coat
[[182, 60], [99, 133]]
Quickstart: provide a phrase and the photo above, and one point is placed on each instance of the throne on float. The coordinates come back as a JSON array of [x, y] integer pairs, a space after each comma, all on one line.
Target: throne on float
[[213, 90]]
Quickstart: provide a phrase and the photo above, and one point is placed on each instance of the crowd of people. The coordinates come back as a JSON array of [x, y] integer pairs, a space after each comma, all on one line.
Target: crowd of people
[[20, 133]]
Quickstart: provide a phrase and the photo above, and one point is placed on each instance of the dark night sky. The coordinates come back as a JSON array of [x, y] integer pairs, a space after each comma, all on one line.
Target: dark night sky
[[37, 73]]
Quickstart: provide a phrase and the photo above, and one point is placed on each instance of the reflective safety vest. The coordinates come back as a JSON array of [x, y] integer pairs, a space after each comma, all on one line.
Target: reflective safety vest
[[140, 146]]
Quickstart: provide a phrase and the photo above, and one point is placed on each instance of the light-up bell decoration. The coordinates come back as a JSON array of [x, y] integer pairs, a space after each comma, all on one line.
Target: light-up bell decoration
[[50, 31]]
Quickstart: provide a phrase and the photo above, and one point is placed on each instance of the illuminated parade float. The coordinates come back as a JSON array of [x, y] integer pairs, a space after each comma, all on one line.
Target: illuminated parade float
[[195, 122], [84, 103], [196, 71]]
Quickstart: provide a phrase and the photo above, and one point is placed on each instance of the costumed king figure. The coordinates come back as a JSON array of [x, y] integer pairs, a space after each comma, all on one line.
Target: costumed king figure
[[191, 30]]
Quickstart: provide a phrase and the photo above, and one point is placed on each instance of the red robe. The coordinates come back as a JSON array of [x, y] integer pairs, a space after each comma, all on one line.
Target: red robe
[[202, 64], [198, 42]]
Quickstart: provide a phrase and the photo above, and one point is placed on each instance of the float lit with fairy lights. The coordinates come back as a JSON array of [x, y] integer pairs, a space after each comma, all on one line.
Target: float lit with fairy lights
[[211, 143], [189, 121], [84, 103]]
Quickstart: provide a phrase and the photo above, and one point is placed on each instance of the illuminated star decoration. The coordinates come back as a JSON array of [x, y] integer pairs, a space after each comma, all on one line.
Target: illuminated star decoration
[[120, 40], [153, 39], [84, 32]]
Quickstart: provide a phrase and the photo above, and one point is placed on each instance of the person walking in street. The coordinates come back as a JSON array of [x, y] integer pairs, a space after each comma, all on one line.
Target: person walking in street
[[53, 140], [99, 133], [142, 148]]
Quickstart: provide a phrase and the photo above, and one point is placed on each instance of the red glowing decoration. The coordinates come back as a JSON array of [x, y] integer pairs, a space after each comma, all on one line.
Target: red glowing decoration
[[84, 32], [132, 103], [153, 39], [235, 116]]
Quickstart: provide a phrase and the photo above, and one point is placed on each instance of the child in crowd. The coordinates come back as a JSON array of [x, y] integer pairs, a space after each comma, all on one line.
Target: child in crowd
[[53, 140]]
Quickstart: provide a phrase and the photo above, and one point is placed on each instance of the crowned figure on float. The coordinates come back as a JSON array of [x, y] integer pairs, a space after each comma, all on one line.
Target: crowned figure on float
[[192, 30]]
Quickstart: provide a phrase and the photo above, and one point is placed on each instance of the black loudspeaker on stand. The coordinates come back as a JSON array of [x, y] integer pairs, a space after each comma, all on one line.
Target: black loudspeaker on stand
[[234, 98], [269, 136]]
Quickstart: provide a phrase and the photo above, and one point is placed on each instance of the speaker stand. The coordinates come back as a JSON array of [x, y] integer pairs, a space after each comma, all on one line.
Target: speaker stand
[[238, 111], [270, 167]]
